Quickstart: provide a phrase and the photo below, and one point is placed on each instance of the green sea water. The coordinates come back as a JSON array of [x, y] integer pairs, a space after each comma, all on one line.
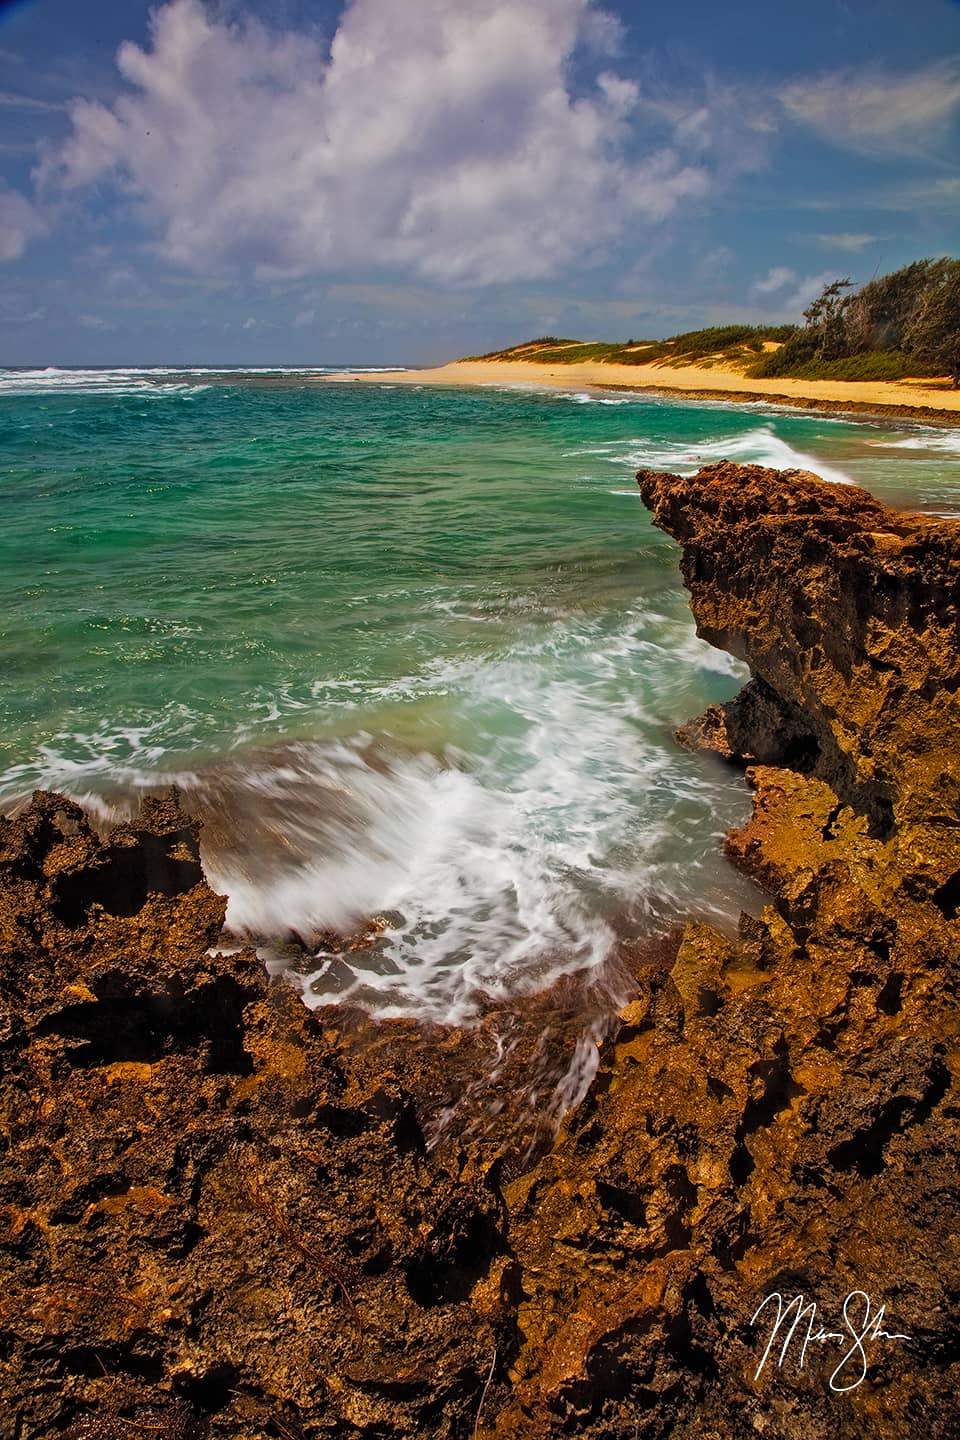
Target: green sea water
[[411, 652]]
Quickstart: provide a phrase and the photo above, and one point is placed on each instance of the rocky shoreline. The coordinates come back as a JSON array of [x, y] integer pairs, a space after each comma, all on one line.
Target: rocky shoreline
[[221, 1213]]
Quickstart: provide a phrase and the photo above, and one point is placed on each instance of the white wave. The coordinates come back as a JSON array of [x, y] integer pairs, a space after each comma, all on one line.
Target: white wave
[[590, 450], [126, 755], [668, 399], [476, 907], [556, 806], [701, 655], [589, 398], [761, 446], [508, 867], [941, 441], [556, 392], [154, 380]]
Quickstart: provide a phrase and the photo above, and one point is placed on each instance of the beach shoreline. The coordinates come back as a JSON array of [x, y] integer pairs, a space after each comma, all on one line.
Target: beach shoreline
[[887, 398]]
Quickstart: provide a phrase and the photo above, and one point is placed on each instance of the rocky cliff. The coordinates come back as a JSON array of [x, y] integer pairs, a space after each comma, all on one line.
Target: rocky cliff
[[221, 1213]]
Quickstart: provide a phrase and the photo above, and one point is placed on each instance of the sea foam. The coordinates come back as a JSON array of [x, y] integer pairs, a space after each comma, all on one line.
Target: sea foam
[[560, 824]]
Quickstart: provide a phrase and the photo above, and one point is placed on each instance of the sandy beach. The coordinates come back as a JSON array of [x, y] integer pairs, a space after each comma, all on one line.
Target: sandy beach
[[923, 399]]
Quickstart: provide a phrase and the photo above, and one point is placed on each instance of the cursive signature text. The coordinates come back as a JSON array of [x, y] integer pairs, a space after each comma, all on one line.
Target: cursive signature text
[[796, 1320]]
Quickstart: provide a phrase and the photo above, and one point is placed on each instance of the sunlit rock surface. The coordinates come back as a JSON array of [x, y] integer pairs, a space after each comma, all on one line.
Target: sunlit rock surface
[[223, 1214]]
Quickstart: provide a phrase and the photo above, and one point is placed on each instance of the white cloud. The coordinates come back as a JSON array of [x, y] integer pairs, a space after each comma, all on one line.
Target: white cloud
[[776, 279], [875, 111], [441, 138], [94, 322], [788, 291], [940, 194], [806, 290], [20, 223], [121, 280], [711, 265], [11, 100], [846, 241]]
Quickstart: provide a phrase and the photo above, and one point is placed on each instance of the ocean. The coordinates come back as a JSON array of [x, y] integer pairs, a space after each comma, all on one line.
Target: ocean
[[415, 655]]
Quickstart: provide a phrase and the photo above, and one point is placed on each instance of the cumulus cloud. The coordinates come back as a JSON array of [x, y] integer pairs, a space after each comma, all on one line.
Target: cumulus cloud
[[443, 138], [875, 111], [20, 222]]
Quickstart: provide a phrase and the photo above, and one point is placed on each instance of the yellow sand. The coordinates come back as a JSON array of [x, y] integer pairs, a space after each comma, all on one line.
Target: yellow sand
[[725, 382]]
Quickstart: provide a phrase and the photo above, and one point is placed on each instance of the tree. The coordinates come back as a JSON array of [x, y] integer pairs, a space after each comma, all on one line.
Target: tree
[[825, 317], [877, 316], [933, 331]]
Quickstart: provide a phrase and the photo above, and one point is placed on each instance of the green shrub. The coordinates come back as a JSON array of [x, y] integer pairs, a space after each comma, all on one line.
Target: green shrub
[[872, 365], [798, 349]]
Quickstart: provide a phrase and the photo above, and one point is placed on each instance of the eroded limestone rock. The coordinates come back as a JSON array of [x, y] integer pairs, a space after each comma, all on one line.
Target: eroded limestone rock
[[221, 1213]]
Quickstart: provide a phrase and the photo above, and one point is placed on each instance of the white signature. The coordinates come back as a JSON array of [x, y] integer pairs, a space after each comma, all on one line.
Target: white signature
[[863, 1326]]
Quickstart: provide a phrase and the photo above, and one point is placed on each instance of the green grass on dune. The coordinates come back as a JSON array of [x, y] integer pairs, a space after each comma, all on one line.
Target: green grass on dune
[[735, 342]]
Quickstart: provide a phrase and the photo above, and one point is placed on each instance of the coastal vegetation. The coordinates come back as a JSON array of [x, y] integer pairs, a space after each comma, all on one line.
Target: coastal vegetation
[[905, 324], [730, 342]]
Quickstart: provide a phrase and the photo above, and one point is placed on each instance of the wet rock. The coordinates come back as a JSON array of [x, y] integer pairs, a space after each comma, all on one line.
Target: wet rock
[[779, 1113], [224, 1214]]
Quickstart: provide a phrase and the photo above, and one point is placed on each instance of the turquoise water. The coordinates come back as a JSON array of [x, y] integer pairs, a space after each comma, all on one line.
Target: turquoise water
[[414, 653]]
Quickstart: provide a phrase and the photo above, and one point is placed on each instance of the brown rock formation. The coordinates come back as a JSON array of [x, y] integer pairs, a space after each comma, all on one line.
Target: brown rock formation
[[847, 614], [205, 1215], [220, 1212], [780, 1114]]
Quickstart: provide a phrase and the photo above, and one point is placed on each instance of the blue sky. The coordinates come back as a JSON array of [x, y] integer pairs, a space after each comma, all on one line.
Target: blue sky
[[299, 181]]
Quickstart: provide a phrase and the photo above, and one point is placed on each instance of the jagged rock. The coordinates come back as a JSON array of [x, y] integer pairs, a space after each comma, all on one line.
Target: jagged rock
[[847, 614], [208, 1221], [780, 1113], [223, 1214]]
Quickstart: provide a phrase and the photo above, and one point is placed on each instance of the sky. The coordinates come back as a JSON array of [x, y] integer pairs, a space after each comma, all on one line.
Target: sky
[[406, 181]]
